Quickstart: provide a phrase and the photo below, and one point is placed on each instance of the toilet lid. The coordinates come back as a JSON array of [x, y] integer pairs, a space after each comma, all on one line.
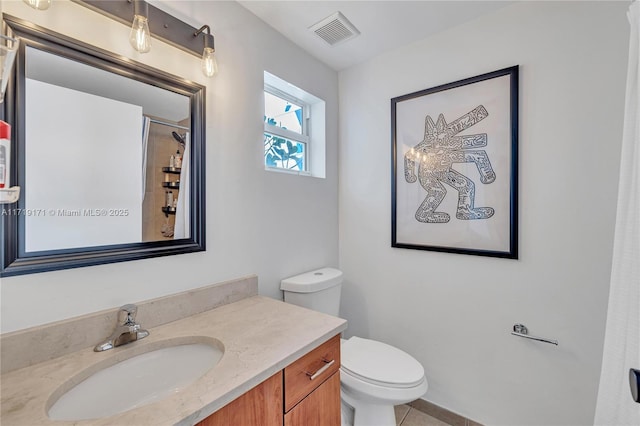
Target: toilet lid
[[379, 363]]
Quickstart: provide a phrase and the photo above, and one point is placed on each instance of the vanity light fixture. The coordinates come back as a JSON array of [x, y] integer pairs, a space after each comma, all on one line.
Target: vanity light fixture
[[140, 37], [39, 4], [209, 63], [148, 19]]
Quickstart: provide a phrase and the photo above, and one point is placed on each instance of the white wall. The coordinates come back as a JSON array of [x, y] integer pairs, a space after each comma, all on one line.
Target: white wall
[[271, 224], [454, 312], [88, 134]]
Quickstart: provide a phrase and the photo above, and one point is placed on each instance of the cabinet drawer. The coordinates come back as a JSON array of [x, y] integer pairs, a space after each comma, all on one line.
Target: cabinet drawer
[[304, 375]]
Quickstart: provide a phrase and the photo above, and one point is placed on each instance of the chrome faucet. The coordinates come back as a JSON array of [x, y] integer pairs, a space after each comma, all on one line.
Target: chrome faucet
[[127, 330]]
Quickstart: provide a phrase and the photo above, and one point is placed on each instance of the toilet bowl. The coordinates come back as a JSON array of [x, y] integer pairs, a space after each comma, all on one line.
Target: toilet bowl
[[374, 376]]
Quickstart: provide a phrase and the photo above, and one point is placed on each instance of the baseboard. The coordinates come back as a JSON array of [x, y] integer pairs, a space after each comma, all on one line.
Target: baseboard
[[442, 414]]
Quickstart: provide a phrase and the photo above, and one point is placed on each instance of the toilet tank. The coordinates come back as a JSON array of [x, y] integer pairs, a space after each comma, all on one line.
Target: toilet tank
[[318, 290]]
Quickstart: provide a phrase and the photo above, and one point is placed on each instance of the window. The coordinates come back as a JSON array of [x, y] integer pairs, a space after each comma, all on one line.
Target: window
[[294, 129], [285, 131]]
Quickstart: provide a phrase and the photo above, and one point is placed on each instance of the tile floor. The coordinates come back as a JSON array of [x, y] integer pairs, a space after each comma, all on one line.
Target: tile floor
[[407, 416]]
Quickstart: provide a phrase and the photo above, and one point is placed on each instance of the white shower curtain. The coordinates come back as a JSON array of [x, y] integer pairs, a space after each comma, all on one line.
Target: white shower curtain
[[622, 339], [146, 122], [183, 213]]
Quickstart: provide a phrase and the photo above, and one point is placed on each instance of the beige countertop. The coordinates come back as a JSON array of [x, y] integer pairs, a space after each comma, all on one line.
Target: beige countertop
[[260, 337]]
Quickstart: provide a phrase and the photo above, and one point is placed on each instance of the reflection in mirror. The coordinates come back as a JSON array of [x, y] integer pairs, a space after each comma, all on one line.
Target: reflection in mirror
[[96, 164], [165, 213], [110, 157]]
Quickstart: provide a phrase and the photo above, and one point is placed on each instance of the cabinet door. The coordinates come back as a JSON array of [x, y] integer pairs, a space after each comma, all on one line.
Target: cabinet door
[[320, 408], [261, 406], [304, 375]]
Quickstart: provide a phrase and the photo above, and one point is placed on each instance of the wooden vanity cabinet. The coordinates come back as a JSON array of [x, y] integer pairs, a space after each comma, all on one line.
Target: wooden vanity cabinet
[[320, 408], [312, 387], [261, 405], [305, 393]]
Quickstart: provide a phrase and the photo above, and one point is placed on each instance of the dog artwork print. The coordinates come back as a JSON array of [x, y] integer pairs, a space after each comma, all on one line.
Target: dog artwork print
[[436, 153], [454, 167]]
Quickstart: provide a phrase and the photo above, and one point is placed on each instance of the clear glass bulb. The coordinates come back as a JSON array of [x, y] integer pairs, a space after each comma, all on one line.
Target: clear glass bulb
[[209, 63], [39, 4], [140, 37]]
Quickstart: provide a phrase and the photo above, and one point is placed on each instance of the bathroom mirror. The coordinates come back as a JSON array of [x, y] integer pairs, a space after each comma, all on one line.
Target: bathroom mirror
[[109, 154]]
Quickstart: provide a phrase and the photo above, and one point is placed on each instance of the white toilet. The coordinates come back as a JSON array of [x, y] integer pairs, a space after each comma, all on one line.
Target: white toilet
[[374, 376]]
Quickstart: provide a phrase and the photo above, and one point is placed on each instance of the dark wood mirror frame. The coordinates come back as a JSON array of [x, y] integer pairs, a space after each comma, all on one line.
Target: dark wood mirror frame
[[14, 259]]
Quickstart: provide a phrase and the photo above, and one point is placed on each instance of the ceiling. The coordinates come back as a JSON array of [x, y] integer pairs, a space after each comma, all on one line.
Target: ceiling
[[63, 72], [383, 25]]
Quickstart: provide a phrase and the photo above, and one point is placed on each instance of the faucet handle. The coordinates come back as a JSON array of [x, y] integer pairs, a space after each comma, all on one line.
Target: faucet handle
[[127, 314]]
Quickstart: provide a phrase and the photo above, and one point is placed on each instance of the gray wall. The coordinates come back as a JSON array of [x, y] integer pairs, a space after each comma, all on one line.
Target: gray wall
[[454, 312], [271, 224]]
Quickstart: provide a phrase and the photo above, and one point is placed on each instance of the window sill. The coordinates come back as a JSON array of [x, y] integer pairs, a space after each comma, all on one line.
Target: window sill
[[288, 172]]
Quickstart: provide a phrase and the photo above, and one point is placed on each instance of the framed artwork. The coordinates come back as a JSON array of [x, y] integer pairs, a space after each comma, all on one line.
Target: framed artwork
[[455, 167]]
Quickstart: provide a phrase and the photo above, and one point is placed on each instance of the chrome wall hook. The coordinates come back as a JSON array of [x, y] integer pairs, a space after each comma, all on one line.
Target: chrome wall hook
[[521, 330]]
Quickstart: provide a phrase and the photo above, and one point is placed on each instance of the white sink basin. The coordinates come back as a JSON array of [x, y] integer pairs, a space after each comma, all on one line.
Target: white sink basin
[[135, 381]]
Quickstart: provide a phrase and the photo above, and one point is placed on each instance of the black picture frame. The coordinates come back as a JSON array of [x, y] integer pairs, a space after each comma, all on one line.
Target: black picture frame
[[454, 159]]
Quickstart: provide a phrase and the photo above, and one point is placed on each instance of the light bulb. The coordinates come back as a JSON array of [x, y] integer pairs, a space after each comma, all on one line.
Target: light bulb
[[140, 37], [209, 63], [39, 4]]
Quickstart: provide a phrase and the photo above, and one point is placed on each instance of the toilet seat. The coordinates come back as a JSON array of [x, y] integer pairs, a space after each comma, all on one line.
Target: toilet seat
[[380, 364], [374, 377]]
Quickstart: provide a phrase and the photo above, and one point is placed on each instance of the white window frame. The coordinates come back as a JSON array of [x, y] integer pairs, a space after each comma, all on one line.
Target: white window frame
[[291, 135], [314, 126]]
